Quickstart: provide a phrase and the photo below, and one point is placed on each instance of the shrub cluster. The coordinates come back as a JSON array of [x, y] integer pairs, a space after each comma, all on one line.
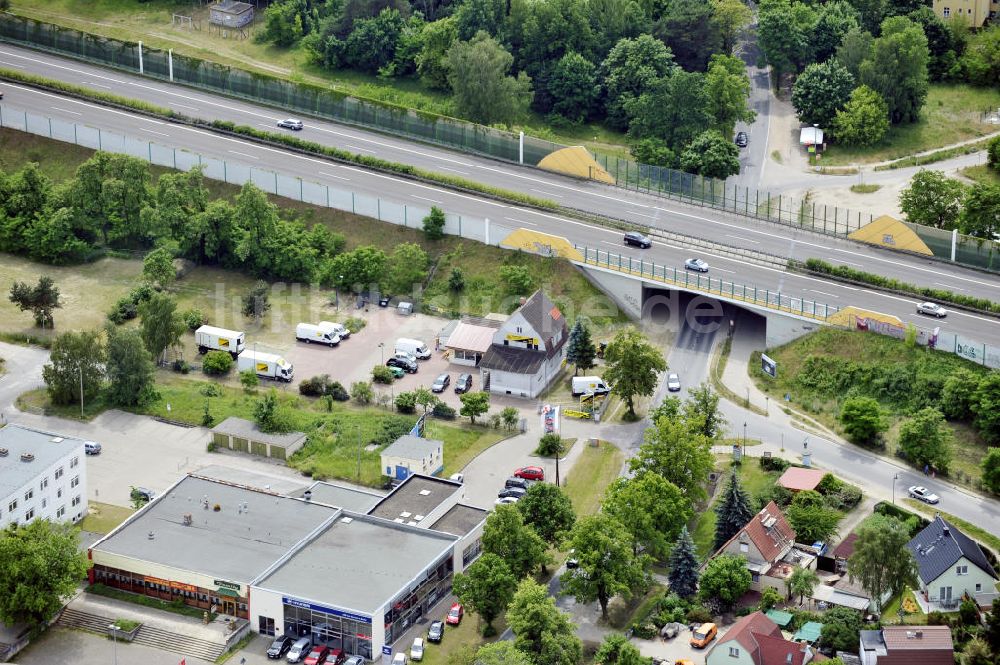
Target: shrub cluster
[[127, 307], [323, 385]]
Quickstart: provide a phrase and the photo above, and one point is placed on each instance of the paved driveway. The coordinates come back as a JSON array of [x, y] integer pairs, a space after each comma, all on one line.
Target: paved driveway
[[23, 371]]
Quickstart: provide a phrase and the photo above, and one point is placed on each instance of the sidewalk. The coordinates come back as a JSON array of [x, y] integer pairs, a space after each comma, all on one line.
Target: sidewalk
[[112, 609]]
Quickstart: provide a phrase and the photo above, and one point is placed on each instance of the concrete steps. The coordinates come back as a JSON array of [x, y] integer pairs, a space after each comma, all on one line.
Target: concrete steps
[[147, 636]]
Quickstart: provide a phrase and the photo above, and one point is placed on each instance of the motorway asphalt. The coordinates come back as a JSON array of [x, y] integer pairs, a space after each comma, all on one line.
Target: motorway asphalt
[[723, 228]]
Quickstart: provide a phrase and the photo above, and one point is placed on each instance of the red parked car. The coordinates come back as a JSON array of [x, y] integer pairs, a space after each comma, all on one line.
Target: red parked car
[[455, 615], [336, 657], [530, 473], [317, 656]]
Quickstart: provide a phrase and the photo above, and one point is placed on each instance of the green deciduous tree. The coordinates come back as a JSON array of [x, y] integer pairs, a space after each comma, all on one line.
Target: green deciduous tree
[[633, 365], [820, 91], [407, 268], [835, 19], [617, 650], [687, 28], [130, 370], [573, 87], [434, 224], [981, 215], [728, 87], [679, 451], [725, 578], [981, 60], [932, 200], [683, 575], [841, 628], [486, 587], [580, 349], [608, 566], [732, 512], [40, 299], [675, 109], [881, 562], [517, 280], [76, 361], [161, 324], [40, 565], [957, 394], [371, 46], [855, 49], [473, 16], [267, 413], [474, 404], [712, 155], [784, 30], [812, 523], [631, 68], [703, 407], [484, 93], [652, 509], [801, 582], [357, 269], [926, 439], [986, 407], [864, 119], [547, 509], [507, 536], [540, 629], [158, 267], [730, 18], [432, 61], [897, 68], [257, 221], [500, 653], [991, 470], [863, 419]]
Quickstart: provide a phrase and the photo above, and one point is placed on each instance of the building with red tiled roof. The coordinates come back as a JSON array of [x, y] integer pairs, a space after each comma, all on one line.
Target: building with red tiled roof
[[798, 480], [907, 645], [756, 640], [767, 542]]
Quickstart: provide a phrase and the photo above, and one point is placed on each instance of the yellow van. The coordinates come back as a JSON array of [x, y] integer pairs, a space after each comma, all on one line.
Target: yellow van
[[704, 634]]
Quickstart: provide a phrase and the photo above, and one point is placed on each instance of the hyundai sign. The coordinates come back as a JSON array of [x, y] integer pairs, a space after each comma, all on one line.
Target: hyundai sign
[[768, 366]]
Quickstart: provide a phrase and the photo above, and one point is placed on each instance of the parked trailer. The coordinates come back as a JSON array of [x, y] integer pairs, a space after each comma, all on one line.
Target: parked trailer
[[267, 365], [210, 338], [308, 333]]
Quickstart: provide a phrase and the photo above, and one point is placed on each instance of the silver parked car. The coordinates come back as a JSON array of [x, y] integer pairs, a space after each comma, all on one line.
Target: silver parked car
[[923, 494], [696, 264]]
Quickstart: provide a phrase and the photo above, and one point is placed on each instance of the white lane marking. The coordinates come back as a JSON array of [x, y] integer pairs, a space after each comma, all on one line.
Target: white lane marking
[[424, 198], [823, 293], [97, 85], [950, 286], [756, 242], [520, 221], [445, 168], [354, 147], [102, 109], [613, 244], [642, 214], [391, 146], [243, 154], [951, 312], [732, 272], [153, 131], [542, 191], [184, 106], [850, 263], [66, 111], [331, 175]]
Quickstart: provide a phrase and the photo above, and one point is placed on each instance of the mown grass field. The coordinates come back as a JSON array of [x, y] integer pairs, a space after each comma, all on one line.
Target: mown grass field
[[982, 174], [951, 115], [89, 290], [878, 350], [595, 469], [152, 22]]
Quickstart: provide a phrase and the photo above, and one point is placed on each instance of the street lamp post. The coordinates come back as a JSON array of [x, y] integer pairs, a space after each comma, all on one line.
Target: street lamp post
[[895, 477], [381, 347], [80, 368], [744, 438], [114, 641]]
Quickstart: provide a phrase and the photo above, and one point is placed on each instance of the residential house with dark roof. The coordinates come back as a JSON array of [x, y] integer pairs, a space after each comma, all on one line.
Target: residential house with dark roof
[[756, 640], [907, 645], [949, 565], [527, 350], [767, 542]]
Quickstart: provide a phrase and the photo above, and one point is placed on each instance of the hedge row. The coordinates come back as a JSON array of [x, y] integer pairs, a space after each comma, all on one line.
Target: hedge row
[[844, 272], [275, 137]]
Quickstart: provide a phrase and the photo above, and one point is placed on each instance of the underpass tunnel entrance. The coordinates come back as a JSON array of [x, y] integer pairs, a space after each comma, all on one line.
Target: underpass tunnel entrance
[[697, 319]]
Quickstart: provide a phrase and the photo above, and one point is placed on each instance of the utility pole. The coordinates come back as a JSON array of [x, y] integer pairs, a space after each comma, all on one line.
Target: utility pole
[[80, 368], [359, 454]]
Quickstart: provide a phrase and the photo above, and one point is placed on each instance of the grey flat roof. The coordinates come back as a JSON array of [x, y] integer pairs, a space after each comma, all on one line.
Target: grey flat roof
[[358, 563], [412, 447], [417, 495], [348, 498], [460, 520], [247, 429], [235, 543], [269, 482], [20, 440]]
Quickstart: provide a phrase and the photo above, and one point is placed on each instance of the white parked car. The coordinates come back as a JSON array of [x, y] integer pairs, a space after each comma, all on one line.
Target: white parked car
[[506, 500], [923, 494], [417, 649], [399, 658], [932, 309]]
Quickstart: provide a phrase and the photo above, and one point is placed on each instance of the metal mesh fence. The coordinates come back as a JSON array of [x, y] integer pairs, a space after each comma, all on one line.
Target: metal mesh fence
[[308, 98], [969, 251]]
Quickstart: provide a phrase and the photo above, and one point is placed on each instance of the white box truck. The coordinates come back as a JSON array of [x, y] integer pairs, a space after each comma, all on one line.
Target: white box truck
[[210, 338], [589, 385], [414, 347], [308, 333], [268, 365], [338, 328]]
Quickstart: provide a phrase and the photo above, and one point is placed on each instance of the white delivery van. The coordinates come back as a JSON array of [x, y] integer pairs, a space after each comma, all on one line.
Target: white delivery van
[[210, 338], [268, 365], [339, 328], [414, 347], [308, 333], [589, 385]]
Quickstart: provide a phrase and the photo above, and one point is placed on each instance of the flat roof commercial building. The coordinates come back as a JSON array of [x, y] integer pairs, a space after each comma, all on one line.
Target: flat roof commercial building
[[352, 578], [42, 476]]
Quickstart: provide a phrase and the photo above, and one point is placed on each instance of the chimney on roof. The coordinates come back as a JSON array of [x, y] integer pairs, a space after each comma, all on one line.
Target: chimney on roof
[[307, 495], [523, 300], [788, 658], [808, 653], [919, 634], [946, 530]]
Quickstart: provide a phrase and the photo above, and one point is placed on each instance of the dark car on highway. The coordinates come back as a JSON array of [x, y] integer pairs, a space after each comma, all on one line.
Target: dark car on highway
[[637, 240]]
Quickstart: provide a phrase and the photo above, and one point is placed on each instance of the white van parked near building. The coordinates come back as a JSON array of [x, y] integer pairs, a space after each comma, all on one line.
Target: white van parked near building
[[308, 333], [338, 328], [414, 347]]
